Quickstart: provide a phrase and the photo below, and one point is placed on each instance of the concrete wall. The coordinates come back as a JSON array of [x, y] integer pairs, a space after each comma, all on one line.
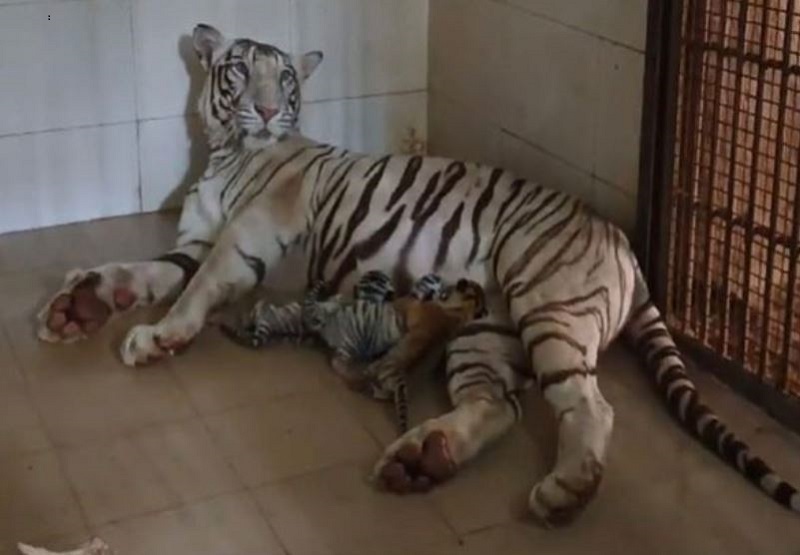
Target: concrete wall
[[551, 89]]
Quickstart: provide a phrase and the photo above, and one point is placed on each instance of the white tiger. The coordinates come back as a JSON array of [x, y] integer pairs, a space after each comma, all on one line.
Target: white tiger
[[570, 280]]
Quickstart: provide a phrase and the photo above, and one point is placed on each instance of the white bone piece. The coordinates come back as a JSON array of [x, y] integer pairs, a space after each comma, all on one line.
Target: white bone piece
[[94, 547]]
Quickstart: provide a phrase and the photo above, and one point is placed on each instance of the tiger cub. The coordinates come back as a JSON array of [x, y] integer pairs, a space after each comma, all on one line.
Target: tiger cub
[[371, 327]]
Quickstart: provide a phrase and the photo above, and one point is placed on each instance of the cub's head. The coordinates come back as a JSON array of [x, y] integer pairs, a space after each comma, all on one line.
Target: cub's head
[[466, 298], [251, 89]]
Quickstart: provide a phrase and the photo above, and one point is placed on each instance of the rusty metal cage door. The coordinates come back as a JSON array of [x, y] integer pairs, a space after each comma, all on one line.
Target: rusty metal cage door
[[719, 205]]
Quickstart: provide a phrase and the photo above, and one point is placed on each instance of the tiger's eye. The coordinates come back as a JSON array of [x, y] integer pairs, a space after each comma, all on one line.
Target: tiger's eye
[[241, 68]]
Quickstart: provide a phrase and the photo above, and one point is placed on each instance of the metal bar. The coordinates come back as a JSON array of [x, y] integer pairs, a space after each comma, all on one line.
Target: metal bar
[[662, 62], [666, 193], [705, 312], [694, 87], [784, 90], [748, 234], [679, 182], [782, 379], [726, 263]]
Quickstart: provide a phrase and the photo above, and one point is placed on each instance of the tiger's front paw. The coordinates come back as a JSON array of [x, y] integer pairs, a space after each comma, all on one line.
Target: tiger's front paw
[[147, 344], [141, 346]]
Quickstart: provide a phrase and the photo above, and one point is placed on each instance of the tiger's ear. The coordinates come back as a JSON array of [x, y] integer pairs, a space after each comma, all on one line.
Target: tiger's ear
[[307, 63], [206, 40]]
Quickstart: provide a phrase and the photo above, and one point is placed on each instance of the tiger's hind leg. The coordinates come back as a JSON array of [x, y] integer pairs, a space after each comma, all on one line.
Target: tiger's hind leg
[[562, 339], [486, 369], [585, 422]]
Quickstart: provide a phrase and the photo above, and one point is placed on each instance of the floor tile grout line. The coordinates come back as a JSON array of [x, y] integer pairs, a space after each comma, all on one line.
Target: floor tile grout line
[[430, 501], [95, 528], [350, 410], [60, 450], [201, 418], [84, 515], [257, 401], [263, 514]]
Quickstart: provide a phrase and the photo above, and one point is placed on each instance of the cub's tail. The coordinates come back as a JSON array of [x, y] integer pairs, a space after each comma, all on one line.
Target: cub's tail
[[648, 332], [267, 325]]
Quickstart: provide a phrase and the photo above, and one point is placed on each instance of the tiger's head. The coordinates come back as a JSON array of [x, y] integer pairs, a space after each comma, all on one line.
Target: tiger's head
[[252, 90]]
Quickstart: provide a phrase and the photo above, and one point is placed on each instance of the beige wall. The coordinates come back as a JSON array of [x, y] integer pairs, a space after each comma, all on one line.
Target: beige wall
[[551, 89]]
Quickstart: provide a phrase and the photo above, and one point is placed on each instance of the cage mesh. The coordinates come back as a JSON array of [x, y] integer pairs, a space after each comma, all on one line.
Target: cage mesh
[[734, 212]]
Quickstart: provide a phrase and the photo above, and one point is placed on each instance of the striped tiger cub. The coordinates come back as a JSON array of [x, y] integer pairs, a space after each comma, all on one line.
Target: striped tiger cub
[[569, 281], [372, 327]]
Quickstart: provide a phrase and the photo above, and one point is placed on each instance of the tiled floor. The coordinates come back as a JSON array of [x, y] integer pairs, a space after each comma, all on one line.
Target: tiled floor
[[229, 452]]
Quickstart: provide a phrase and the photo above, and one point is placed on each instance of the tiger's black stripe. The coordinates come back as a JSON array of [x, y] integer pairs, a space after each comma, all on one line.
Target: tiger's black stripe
[[516, 189], [361, 211], [254, 263], [265, 183], [498, 248], [448, 231], [543, 237], [367, 248], [188, 265], [479, 327], [483, 201], [408, 179], [550, 266], [316, 159], [326, 248], [422, 212]]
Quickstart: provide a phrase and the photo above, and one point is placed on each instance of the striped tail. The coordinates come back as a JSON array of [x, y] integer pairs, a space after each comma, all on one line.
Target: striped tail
[[267, 325], [386, 381], [401, 405], [648, 332]]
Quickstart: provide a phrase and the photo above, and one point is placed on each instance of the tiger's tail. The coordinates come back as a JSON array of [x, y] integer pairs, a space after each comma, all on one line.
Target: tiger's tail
[[648, 332]]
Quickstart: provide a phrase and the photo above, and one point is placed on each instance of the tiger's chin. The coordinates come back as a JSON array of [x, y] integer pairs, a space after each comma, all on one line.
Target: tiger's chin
[[256, 142], [263, 138]]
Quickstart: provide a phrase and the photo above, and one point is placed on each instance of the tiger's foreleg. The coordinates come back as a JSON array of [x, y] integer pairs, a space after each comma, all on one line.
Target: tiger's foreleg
[[246, 250], [486, 369], [89, 298]]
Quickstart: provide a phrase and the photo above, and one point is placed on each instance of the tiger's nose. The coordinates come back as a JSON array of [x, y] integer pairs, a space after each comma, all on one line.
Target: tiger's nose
[[266, 113]]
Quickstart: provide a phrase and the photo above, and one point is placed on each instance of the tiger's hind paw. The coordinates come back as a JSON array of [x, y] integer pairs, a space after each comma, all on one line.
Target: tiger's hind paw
[[558, 500], [416, 462]]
